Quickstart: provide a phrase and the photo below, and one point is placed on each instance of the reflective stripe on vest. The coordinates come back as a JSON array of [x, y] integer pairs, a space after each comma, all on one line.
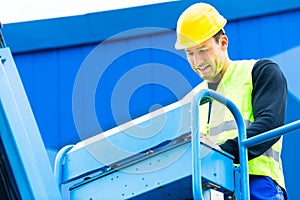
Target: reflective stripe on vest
[[236, 85], [226, 126]]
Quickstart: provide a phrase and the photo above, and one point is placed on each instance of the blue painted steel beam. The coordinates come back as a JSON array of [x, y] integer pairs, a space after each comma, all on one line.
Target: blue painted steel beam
[[21, 137]]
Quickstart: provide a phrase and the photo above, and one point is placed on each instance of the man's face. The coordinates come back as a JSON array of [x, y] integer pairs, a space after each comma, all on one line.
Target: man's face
[[208, 58]]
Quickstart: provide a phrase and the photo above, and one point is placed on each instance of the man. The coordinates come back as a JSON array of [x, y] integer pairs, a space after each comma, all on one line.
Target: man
[[257, 87]]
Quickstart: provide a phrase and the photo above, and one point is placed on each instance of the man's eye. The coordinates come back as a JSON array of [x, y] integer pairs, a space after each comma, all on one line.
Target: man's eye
[[202, 50], [190, 53]]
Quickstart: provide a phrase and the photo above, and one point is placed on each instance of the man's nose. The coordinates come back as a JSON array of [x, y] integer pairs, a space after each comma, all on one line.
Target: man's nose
[[197, 60]]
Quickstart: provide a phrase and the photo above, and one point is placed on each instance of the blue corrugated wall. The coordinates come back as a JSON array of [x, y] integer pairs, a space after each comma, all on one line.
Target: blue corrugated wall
[[49, 75]]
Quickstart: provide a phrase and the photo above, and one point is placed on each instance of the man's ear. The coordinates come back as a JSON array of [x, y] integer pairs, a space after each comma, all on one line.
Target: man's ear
[[224, 41]]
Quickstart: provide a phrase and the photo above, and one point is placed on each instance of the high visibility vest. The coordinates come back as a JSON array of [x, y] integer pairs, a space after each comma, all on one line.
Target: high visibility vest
[[236, 85]]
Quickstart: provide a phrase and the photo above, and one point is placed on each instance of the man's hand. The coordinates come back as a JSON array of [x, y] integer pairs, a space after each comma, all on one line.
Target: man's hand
[[209, 142]]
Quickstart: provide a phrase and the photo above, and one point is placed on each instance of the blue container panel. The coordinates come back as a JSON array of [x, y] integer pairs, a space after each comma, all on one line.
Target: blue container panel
[[155, 77]]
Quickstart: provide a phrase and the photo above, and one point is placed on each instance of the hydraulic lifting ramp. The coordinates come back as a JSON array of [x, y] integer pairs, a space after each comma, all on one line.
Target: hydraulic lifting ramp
[[182, 167]]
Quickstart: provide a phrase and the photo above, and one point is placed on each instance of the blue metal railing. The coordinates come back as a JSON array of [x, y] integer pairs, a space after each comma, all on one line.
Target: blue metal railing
[[59, 159], [196, 176], [244, 143]]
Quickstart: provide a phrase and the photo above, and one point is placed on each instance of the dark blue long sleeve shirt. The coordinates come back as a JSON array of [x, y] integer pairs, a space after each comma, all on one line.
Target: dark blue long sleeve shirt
[[269, 99]]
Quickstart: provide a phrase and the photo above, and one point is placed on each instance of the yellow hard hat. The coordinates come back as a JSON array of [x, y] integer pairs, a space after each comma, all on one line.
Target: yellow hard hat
[[196, 24]]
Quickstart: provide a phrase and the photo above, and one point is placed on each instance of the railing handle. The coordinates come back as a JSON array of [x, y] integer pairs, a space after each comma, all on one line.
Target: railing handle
[[196, 170], [58, 171], [245, 143]]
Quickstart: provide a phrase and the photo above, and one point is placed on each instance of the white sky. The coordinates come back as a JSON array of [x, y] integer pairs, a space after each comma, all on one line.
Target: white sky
[[28, 10]]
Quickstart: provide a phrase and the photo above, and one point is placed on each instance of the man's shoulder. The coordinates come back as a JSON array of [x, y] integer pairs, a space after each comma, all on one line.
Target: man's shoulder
[[265, 65], [267, 69]]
